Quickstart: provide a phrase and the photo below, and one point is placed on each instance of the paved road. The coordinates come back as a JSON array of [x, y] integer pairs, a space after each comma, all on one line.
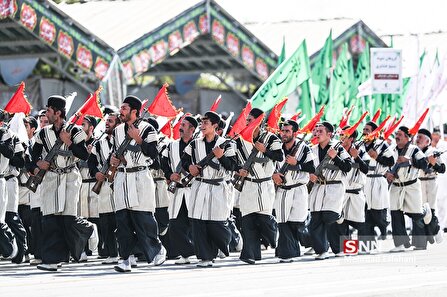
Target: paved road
[[413, 273]]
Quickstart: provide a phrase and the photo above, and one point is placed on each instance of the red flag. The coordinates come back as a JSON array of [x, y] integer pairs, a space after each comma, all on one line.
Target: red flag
[[90, 107], [18, 101], [345, 118], [295, 116], [415, 129], [374, 134], [376, 115], [275, 115], [348, 132], [162, 105], [167, 129], [143, 105], [240, 123], [247, 132], [391, 128], [313, 122], [216, 103], [314, 140]]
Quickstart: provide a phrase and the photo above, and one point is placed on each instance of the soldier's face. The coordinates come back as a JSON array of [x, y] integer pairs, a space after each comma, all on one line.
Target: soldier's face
[[401, 138], [287, 134], [322, 134], [207, 127], [186, 129], [50, 114], [125, 112], [110, 124], [367, 130], [43, 121], [422, 141]]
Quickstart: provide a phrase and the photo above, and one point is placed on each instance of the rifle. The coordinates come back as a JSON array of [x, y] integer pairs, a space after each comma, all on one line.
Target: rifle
[[204, 162], [319, 169], [35, 180], [108, 170], [396, 166], [285, 166], [238, 181], [173, 184], [436, 154]]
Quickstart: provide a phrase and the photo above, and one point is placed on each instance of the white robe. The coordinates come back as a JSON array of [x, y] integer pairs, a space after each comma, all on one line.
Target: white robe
[[292, 205]]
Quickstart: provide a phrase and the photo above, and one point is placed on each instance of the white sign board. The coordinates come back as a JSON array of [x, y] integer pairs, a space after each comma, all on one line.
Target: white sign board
[[386, 70]]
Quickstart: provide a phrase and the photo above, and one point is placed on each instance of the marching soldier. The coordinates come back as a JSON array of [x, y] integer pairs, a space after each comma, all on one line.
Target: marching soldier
[[429, 186], [258, 194], [406, 192], [134, 189], [180, 238], [106, 204], [291, 201], [211, 200], [326, 197], [63, 234]]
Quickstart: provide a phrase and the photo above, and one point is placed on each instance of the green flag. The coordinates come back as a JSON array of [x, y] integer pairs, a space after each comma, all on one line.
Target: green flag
[[362, 74], [339, 87], [321, 72], [284, 80], [305, 103], [282, 56]]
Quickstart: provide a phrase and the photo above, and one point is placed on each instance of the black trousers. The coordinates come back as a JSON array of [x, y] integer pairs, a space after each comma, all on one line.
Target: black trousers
[[257, 227], [373, 218], [162, 218], [15, 224], [337, 233], [137, 228], [399, 231], [237, 217], [180, 234], [289, 239], [37, 233], [209, 237], [6, 240], [26, 216], [107, 224], [319, 228], [62, 236]]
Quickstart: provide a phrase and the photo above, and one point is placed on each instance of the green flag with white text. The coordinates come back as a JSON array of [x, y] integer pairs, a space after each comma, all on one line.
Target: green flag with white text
[[321, 73], [339, 87], [284, 80]]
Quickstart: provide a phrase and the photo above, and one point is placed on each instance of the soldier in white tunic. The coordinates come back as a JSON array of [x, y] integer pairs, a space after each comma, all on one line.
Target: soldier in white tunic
[[291, 201], [88, 200], [211, 201], [63, 233], [429, 186], [353, 212], [161, 188], [258, 194], [25, 211], [376, 187], [134, 189], [12, 218], [326, 197], [406, 192], [8, 244], [180, 238], [106, 204]]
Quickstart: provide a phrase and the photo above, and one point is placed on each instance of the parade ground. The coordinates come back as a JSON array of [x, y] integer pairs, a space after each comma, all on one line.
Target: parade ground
[[410, 273]]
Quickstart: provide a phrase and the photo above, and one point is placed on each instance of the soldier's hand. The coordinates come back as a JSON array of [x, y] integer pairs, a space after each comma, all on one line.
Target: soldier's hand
[[194, 170], [114, 161], [313, 178], [218, 152], [354, 152], [65, 137], [402, 159], [134, 133], [373, 154], [291, 160], [260, 147], [277, 178], [331, 153], [42, 164], [100, 176], [175, 177], [89, 148], [389, 176], [432, 160], [243, 172]]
